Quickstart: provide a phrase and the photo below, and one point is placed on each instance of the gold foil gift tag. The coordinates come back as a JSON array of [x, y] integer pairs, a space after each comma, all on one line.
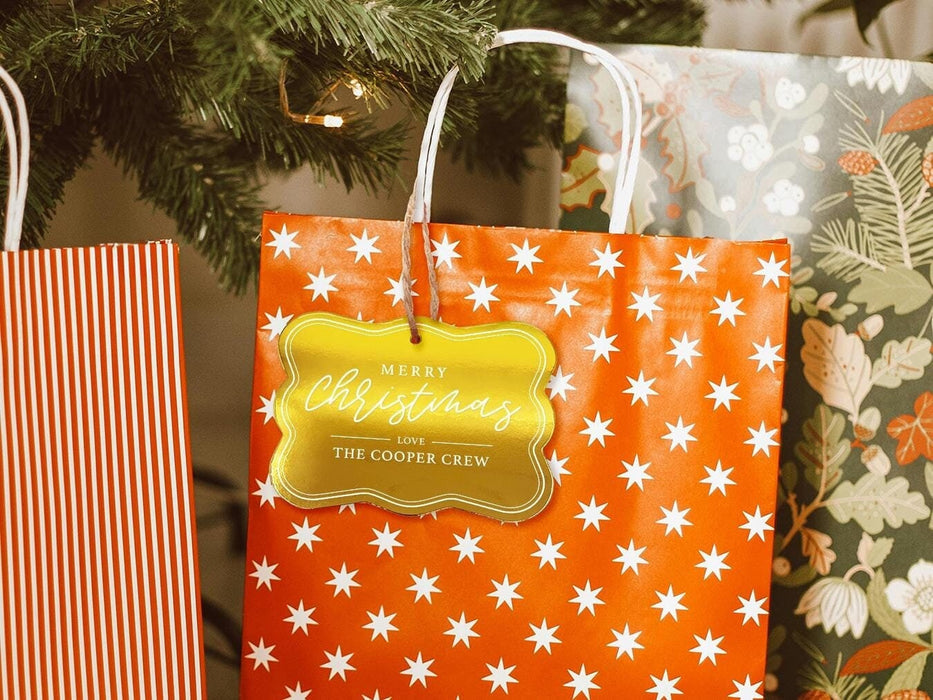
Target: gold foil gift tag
[[458, 420]]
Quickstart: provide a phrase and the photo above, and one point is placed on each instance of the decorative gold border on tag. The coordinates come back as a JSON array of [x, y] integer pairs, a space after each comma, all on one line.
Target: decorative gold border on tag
[[536, 395]]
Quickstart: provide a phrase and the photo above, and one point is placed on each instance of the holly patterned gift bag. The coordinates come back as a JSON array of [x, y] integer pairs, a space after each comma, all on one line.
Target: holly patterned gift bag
[[604, 530], [837, 153], [98, 556]]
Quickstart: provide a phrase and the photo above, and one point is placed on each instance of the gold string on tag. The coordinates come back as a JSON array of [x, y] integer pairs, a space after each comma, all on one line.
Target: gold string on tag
[[407, 298]]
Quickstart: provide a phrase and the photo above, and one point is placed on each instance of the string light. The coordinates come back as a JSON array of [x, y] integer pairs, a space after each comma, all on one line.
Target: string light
[[329, 121], [356, 87]]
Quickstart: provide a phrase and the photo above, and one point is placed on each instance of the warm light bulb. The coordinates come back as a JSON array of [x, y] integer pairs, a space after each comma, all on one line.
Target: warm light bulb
[[356, 87]]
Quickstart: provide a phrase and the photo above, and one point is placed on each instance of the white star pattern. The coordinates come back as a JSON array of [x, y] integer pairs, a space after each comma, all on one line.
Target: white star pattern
[[445, 252], [423, 586], [665, 687], [636, 473], [264, 574], [300, 617], [587, 598], [491, 557], [607, 261], [500, 676], [684, 350], [625, 642], [689, 265], [640, 388], [679, 434], [563, 300], [267, 410], [727, 309], [707, 647], [718, 478], [386, 541], [543, 636], [548, 552], [266, 492], [343, 581], [751, 608], [338, 664], [482, 294], [669, 603], [591, 514], [461, 630], [420, 670], [556, 465], [761, 440], [364, 247], [276, 323], [674, 519], [766, 354], [713, 563], [722, 393], [396, 290], [380, 624], [597, 429], [305, 535], [602, 345], [320, 285], [771, 271], [630, 557], [467, 547], [746, 690], [504, 592], [582, 682], [261, 654], [756, 524], [525, 257], [283, 242], [559, 384], [297, 693], [644, 304]]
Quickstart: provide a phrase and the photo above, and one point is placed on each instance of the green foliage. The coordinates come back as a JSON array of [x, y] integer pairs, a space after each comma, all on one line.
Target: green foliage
[[184, 94], [823, 449]]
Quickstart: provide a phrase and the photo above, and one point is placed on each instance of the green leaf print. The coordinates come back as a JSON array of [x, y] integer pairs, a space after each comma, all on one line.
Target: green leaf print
[[908, 675], [901, 360], [823, 448], [906, 290], [872, 502]]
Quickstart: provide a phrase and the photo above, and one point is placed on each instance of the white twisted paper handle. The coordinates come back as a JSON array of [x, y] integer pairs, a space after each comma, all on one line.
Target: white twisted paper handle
[[631, 133], [17, 140], [419, 205]]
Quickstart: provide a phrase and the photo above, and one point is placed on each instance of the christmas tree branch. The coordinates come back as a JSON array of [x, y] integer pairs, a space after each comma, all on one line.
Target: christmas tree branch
[[184, 93]]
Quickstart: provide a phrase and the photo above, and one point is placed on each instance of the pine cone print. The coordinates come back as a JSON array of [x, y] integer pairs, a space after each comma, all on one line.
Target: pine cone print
[[857, 162], [907, 695], [927, 167]]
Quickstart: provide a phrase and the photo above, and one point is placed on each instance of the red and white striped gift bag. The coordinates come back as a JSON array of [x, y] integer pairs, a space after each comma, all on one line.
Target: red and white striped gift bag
[[98, 575]]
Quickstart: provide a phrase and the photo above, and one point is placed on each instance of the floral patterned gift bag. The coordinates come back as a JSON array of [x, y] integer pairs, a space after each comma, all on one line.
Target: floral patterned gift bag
[[642, 567], [837, 153]]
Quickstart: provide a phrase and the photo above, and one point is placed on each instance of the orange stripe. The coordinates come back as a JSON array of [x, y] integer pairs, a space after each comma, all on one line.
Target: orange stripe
[[98, 585]]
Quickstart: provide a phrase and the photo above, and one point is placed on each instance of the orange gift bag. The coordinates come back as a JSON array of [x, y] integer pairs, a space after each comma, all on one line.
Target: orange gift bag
[[578, 505], [98, 557]]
